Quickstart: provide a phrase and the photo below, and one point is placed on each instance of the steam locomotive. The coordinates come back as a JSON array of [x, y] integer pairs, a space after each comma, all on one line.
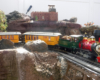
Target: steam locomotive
[[82, 45]]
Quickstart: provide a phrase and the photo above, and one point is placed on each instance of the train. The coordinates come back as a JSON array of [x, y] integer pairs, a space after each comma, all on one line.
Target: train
[[76, 44], [82, 45]]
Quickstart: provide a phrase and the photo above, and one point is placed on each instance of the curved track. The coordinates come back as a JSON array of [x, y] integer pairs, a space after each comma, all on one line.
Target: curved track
[[81, 61], [85, 59]]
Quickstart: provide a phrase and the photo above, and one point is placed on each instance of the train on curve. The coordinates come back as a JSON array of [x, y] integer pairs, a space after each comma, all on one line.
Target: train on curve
[[82, 45], [76, 44]]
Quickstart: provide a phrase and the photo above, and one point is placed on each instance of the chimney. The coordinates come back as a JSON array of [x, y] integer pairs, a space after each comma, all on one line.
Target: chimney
[[52, 8]]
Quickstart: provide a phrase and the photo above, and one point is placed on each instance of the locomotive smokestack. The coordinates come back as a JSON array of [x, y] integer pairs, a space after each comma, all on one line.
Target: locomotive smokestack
[[97, 35]]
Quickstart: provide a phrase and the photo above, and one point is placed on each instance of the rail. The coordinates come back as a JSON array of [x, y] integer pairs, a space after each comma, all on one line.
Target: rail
[[77, 66]]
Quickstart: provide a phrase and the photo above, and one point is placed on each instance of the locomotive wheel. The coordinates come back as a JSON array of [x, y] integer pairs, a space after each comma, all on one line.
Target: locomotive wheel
[[81, 53], [85, 55], [74, 52], [89, 55], [77, 53], [96, 60], [65, 49]]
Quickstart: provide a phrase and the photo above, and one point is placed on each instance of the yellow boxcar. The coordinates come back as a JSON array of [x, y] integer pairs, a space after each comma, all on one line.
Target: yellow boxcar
[[49, 37], [13, 36]]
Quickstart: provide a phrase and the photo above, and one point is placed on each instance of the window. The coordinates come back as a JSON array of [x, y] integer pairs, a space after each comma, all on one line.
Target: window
[[9, 37], [12, 37], [31, 37], [6, 37], [27, 37], [1, 37]]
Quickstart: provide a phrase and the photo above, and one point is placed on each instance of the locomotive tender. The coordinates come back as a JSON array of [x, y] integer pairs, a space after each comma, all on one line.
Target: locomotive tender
[[77, 44]]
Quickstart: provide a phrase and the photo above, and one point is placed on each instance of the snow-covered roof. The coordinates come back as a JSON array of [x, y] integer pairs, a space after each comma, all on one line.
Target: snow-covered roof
[[75, 35], [10, 33], [42, 33]]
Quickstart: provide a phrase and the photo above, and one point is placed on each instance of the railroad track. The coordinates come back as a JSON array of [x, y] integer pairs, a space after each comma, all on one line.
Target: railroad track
[[81, 63], [90, 72], [85, 59], [92, 66]]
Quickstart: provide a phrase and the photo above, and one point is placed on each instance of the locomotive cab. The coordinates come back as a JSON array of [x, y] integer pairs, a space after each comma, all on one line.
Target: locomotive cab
[[92, 39], [85, 38], [76, 38]]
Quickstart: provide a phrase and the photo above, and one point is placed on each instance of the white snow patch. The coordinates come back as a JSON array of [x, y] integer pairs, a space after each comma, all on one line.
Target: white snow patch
[[20, 55]]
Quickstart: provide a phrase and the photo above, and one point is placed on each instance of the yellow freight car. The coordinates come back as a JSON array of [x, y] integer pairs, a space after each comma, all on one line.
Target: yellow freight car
[[13, 36], [49, 37]]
